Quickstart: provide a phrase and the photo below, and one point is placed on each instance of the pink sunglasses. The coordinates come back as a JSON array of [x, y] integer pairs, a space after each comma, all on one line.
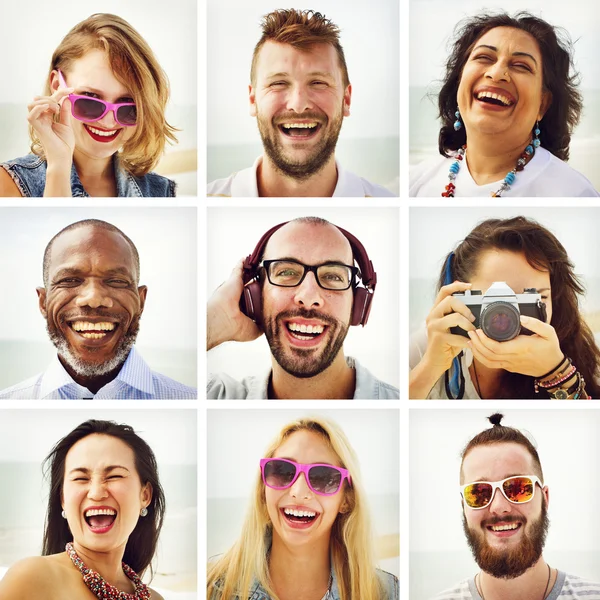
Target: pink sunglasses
[[85, 108], [322, 479]]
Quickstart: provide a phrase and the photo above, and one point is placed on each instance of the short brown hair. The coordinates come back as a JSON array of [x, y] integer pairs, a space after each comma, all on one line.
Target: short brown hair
[[301, 29], [500, 434], [134, 65]]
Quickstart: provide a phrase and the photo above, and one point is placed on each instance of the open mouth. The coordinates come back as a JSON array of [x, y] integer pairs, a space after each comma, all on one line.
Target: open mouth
[[101, 135], [303, 332], [100, 520], [504, 529], [495, 99], [300, 130], [299, 519], [93, 331]]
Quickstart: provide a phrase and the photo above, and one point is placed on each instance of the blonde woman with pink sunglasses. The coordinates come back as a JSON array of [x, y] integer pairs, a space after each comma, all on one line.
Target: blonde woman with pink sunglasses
[[99, 128]]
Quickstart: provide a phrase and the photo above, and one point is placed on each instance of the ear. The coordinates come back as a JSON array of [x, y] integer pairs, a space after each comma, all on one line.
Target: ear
[[142, 291], [546, 494], [252, 99], [347, 99], [146, 494], [344, 508], [545, 105], [41, 292], [54, 82]]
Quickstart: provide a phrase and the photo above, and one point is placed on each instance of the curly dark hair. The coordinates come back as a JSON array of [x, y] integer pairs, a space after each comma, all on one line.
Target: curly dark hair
[[559, 78], [543, 251]]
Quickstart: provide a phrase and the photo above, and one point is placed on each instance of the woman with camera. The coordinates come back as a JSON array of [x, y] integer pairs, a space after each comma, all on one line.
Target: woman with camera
[[556, 358]]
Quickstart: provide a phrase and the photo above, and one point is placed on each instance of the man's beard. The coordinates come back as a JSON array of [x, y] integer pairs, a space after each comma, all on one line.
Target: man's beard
[[510, 563], [299, 170], [304, 362], [88, 368]]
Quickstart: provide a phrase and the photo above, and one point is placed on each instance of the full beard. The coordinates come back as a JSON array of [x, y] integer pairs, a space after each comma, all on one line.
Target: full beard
[[508, 564], [86, 368], [300, 170], [304, 362]]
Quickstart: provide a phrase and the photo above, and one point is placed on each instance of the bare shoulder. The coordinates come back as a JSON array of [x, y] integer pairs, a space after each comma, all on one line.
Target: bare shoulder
[[154, 595], [8, 188], [30, 579]]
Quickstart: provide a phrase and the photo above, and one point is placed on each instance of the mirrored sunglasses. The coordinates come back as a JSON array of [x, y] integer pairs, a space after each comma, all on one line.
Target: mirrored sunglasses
[[518, 490], [88, 109], [322, 479]]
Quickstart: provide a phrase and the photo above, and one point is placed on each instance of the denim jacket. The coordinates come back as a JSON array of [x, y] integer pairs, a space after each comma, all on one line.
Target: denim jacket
[[389, 581], [29, 173]]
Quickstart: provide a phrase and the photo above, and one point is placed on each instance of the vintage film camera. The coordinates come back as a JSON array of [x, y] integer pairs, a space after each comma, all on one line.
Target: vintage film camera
[[497, 311]]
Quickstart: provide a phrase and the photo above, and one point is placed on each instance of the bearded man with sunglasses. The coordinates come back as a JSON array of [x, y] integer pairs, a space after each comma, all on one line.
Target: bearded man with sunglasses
[[305, 294], [505, 520]]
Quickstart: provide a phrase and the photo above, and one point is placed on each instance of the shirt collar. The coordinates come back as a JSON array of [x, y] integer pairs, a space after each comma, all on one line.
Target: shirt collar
[[134, 373]]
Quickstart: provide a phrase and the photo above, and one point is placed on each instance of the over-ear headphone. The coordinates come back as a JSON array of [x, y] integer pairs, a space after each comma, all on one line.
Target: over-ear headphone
[[251, 300]]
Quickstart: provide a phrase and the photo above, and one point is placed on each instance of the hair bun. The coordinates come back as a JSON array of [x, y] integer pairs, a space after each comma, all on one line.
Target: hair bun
[[495, 419]]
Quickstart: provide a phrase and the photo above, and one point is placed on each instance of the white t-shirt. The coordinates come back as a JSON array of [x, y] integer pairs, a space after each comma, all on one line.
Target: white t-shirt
[[244, 184], [544, 176], [566, 587]]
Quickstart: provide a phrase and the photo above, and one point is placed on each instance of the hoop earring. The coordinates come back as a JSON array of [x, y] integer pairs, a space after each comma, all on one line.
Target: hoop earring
[[458, 122], [536, 131]]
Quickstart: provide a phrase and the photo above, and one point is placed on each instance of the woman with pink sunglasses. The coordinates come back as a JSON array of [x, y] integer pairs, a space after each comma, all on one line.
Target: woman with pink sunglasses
[[308, 532], [100, 126]]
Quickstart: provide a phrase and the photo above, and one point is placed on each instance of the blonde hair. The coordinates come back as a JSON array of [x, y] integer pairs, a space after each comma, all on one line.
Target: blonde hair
[[350, 543], [136, 67]]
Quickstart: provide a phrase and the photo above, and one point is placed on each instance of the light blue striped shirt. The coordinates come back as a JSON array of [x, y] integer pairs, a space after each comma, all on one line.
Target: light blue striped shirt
[[135, 381]]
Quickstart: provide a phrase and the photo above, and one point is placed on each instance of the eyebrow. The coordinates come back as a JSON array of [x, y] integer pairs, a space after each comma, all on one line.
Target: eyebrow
[[73, 271], [87, 88], [513, 54], [333, 261], [311, 74], [106, 469]]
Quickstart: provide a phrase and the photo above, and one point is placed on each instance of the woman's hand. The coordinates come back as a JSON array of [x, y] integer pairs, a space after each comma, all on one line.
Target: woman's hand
[[442, 346], [532, 355], [56, 137]]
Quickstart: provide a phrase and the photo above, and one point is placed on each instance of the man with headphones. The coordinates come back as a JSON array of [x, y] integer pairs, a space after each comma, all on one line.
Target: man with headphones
[[302, 288]]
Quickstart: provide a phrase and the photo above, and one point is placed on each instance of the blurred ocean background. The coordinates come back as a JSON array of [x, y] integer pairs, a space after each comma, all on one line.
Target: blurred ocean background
[[585, 143]]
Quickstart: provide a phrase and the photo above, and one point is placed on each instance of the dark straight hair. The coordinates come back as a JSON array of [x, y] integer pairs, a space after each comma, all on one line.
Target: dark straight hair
[[142, 542]]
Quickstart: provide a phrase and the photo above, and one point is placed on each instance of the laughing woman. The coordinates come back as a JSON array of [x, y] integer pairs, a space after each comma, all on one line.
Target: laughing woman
[[105, 513], [100, 126], [508, 105], [307, 533]]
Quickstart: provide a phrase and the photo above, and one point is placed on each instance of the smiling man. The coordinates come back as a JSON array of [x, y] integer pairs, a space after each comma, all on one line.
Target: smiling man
[[505, 520], [299, 93], [301, 287], [92, 303]]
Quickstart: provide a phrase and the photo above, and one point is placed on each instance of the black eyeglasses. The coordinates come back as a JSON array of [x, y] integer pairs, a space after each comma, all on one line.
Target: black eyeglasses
[[291, 273]]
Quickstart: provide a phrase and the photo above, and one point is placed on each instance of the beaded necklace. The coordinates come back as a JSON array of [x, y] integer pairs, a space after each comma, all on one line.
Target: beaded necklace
[[506, 183], [101, 588]]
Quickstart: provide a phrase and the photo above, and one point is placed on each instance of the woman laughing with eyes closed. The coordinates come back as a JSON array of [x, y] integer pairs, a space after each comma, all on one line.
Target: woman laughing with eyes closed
[[100, 126], [307, 534], [105, 513], [508, 105]]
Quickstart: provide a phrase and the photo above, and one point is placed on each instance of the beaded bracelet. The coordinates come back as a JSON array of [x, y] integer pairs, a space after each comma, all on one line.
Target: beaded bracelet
[[556, 382], [563, 394]]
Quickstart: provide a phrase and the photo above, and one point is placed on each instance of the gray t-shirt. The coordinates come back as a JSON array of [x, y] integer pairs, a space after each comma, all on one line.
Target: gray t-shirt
[[566, 587]]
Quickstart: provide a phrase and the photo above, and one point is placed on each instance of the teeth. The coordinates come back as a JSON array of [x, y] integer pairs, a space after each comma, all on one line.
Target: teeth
[[504, 527], [506, 101], [305, 328], [103, 133], [87, 326], [94, 512], [299, 125], [299, 513]]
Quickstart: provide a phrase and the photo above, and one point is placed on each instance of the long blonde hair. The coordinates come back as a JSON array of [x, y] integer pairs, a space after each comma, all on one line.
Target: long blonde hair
[[350, 543], [136, 67]]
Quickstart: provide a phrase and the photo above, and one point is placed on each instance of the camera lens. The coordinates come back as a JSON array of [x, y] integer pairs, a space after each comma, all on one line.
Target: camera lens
[[500, 321]]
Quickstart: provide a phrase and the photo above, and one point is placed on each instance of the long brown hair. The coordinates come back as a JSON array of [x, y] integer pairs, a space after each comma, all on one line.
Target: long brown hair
[[544, 252]]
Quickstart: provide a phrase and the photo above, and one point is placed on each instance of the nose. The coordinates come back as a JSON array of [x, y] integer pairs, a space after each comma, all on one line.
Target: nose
[[93, 294], [499, 504], [498, 71], [300, 488], [97, 490], [308, 293], [108, 121], [298, 99]]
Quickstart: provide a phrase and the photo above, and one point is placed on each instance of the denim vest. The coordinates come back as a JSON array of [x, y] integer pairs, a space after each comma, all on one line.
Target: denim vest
[[29, 173]]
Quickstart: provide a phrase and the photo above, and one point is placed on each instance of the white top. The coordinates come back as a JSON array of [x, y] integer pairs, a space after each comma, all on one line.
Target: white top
[[418, 346], [221, 386], [244, 184], [566, 587], [544, 176]]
